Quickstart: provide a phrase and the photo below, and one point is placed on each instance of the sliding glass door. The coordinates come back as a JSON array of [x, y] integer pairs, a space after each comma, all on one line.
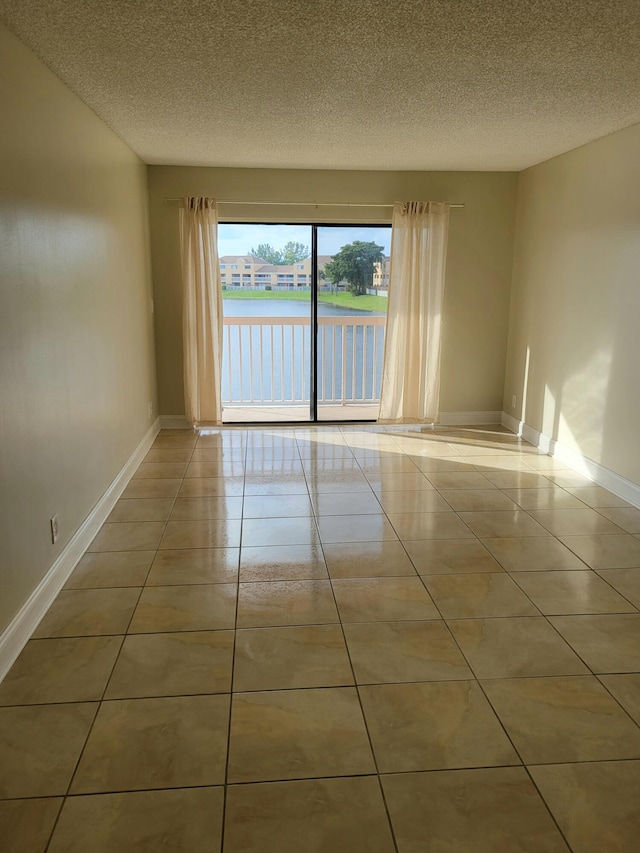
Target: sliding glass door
[[352, 268], [279, 284], [267, 346]]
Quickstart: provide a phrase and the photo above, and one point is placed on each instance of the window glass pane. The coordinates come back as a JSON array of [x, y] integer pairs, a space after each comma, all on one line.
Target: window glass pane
[[353, 276], [266, 364]]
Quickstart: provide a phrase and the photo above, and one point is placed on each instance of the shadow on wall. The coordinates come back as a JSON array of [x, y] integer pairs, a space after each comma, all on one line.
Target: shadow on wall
[[579, 399]]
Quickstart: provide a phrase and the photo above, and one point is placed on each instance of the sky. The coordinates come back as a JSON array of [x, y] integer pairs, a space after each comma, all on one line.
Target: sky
[[239, 239]]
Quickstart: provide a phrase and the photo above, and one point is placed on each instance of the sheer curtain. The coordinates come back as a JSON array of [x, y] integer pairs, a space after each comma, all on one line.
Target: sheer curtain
[[411, 371], [201, 311]]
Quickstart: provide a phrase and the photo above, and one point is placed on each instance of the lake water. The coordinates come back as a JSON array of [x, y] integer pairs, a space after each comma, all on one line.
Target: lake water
[[288, 308], [272, 364]]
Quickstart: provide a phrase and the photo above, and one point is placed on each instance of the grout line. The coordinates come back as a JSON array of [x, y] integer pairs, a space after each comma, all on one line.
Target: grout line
[[460, 678], [598, 676], [617, 591], [461, 769], [55, 822], [73, 773], [548, 808], [364, 719], [232, 676]]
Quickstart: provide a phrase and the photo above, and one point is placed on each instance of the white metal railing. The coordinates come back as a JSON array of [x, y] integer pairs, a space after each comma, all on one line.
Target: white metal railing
[[267, 360]]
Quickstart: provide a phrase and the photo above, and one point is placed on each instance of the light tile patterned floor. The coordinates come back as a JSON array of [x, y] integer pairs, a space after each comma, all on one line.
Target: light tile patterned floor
[[336, 640]]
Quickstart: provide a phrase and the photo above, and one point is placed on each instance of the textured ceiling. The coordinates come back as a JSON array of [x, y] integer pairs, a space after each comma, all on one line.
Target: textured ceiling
[[345, 84]]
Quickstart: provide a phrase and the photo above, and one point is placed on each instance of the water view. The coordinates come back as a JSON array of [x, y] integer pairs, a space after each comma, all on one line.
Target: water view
[[288, 308]]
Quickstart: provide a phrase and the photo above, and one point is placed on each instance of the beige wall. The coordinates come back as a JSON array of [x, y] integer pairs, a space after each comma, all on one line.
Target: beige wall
[[76, 336], [478, 271], [574, 349]]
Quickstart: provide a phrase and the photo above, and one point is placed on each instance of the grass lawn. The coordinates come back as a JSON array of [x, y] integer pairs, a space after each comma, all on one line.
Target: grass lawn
[[344, 300]]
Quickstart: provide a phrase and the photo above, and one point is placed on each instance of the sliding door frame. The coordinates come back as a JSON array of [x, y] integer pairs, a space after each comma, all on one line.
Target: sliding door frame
[[313, 356]]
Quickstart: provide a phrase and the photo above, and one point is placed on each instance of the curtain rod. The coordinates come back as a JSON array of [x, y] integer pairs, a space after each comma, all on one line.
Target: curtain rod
[[305, 203]]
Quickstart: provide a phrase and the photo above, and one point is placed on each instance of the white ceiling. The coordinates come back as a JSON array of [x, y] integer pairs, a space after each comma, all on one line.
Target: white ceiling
[[345, 84]]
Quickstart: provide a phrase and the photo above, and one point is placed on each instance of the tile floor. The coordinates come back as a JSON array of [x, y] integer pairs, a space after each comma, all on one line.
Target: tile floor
[[336, 640]]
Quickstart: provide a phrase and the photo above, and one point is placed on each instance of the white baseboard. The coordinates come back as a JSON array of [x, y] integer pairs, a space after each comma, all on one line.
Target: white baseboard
[[593, 471], [446, 419], [469, 418], [174, 422], [22, 626]]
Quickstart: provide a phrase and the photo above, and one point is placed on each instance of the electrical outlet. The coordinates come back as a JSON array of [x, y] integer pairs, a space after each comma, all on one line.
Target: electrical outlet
[[513, 401], [53, 521], [150, 408]]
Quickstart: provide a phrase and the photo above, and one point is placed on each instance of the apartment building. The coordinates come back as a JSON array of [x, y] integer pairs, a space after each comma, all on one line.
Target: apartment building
[[251, 271], [381, 274]]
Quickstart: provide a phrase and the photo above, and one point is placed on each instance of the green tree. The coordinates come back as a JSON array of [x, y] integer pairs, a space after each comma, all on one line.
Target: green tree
[[294, 252], [291, 253], [268, 254], [354, 263]]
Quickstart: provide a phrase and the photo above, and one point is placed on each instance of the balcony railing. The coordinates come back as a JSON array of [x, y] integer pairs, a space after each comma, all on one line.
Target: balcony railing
[[267, 360]]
